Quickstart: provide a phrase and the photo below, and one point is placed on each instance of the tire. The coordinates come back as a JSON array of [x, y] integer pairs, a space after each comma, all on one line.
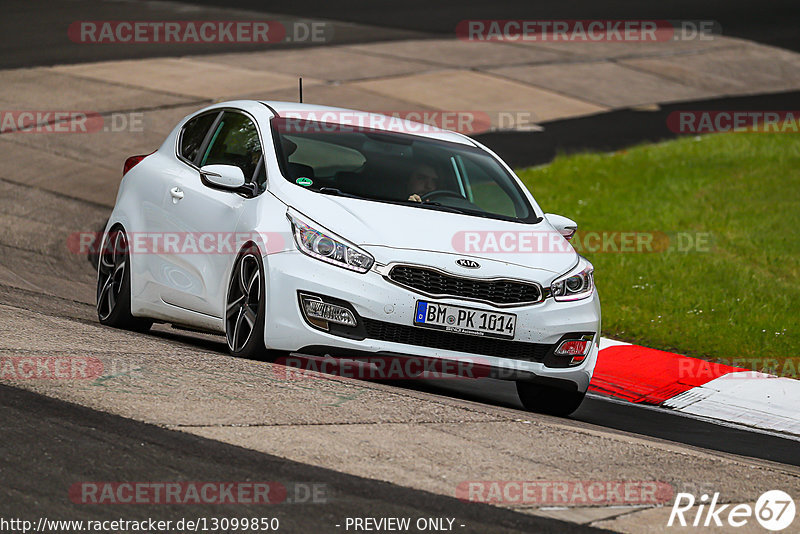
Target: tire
[[114, 284], [548, 400], [245, 306]]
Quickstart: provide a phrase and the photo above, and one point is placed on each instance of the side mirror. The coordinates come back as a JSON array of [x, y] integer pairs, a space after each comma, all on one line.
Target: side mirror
[[228, 177], [566, 227]]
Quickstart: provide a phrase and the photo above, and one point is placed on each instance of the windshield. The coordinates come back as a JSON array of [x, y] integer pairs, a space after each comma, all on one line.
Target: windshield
[[398, 168]]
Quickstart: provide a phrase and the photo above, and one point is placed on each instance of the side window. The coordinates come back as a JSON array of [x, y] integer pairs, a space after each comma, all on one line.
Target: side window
[[234, 142], [193, 134]]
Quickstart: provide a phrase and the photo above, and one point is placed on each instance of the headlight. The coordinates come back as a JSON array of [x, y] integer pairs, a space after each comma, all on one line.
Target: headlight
[[577, 284], [319, 243]]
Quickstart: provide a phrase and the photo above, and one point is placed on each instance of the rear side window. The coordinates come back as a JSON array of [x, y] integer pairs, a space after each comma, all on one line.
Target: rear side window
[[194, 133]]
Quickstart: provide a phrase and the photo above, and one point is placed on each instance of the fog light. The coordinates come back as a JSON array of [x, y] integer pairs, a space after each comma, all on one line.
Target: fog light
[[321, 313], [572, 347], [578, 349]]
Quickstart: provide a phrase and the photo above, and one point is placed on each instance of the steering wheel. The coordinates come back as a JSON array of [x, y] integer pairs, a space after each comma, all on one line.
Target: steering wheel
[[430, 195]]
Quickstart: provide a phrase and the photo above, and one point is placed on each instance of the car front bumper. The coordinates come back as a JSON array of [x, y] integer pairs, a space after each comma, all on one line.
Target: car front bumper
[[380, 301]]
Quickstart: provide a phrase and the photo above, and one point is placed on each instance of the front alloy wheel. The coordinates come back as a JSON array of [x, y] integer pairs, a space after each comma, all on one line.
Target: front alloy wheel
[[244, 309], [548, 400]]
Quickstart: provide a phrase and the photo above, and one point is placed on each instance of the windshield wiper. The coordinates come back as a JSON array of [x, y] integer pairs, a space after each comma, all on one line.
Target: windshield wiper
[[337, 192], [434, 206], [437, 206], [452, 209]]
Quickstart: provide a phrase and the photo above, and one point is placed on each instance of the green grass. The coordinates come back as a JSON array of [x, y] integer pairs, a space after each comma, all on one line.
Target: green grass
[[739, 301]]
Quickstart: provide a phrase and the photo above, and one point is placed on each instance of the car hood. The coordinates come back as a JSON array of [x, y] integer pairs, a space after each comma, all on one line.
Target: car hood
[[390, 226]]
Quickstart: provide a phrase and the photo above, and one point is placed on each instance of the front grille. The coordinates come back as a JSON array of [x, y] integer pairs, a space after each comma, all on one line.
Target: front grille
[[437, 284], [425, 337]]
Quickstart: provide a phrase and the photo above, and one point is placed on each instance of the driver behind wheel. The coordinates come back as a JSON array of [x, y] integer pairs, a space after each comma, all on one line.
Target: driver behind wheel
[[423, 180]]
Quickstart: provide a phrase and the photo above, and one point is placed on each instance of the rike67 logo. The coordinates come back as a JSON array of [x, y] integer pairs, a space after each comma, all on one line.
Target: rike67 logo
[[774, 510]]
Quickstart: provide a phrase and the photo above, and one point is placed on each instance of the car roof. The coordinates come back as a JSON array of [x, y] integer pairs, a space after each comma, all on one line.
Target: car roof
[[390, 121]]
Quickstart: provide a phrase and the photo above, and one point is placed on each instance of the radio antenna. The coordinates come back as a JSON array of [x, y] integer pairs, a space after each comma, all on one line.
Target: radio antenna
[[300, 86]]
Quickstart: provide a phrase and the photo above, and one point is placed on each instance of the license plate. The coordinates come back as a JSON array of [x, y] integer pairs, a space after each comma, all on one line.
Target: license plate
[[462, 320]]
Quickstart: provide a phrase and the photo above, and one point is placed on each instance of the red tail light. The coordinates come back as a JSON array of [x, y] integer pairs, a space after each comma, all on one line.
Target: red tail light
[[131, 162]]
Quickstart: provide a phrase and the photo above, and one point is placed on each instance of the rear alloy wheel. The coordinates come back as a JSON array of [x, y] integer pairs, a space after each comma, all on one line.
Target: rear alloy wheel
[[114, 284], [548, 400], [244, 309]]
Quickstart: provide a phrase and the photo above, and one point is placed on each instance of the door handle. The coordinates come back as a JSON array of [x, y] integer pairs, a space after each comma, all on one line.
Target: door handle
[[176, 194]]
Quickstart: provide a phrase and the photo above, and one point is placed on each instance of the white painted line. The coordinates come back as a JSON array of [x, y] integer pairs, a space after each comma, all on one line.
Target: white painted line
[[746, 398], [608, 342], [712, 420]]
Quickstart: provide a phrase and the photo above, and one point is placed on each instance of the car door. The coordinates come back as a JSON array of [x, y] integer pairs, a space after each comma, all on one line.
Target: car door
[[204, 219], [154, 272]]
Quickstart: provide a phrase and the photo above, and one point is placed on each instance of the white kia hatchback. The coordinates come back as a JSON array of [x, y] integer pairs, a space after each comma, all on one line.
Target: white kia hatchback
[[337, 233]]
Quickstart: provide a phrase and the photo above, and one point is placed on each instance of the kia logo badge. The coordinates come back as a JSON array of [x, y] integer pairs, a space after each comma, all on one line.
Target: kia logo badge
[[469, 264]]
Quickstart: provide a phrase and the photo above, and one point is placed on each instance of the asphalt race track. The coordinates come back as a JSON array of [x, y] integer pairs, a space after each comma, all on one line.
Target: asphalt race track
[[179, 408], [32, 31], [41, 457]]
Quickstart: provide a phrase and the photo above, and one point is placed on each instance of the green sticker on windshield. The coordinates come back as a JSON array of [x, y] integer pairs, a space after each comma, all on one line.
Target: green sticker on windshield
[[305, 182]]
